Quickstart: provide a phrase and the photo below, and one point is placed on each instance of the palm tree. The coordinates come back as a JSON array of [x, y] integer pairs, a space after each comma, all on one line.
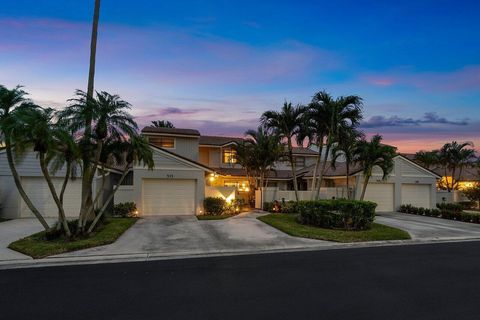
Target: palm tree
[[10, 100], [453, 156], [345, 148], [266, 150], [162, 124], [428, 159], [339, 114], [373, 153], [110, 119], [136, 150], [38, 129], [315, 130], [286, 124]]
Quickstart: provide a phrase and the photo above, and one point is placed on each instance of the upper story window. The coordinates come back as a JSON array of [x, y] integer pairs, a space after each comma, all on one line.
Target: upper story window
[[163, 142], [229, 155], [299, 162]]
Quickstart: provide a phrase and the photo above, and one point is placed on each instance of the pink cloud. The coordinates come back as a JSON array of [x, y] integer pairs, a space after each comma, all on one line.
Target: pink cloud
[[463, 79]]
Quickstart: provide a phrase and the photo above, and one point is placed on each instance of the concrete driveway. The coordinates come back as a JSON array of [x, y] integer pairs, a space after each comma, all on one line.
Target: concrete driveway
[[186, 234], [13, 230], [428, 228]]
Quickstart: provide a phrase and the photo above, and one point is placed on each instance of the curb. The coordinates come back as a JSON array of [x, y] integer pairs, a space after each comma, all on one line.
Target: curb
[[157, 256]]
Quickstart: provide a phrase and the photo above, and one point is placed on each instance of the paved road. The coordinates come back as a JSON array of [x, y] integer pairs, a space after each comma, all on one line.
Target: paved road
[[435, 281]]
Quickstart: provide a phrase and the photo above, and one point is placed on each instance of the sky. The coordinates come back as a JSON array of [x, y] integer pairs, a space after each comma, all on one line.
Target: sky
[[216, 66]]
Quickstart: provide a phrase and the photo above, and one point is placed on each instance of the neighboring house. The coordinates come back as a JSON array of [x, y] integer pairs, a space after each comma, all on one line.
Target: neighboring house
[[28, 167], [408, 183], [467, 177]]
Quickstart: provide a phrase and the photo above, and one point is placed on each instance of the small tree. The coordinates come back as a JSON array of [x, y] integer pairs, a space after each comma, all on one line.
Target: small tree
[[373, 153]]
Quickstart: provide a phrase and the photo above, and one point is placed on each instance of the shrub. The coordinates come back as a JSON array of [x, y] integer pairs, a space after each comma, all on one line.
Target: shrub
[[268, 206], [450, 207], [214, 206], [467, 205], [289, 207], [125, 209], [235, 206], [343, 214]]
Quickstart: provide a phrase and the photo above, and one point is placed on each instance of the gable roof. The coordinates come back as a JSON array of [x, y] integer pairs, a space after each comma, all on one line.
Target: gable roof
[[172, 131], [182, 158], [304, 151], [218, 140]]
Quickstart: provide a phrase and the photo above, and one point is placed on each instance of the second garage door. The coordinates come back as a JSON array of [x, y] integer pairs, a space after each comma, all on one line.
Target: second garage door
[[417, 195], [168, 197], [382, 194], [39, 193]]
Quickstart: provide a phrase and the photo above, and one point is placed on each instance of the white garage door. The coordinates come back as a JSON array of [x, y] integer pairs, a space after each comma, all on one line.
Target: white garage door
[[417, 195], [168, 197], [382, 194], [39, 193]]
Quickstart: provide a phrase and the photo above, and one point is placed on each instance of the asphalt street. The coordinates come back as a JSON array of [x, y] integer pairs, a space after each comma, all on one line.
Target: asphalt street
[[434, 281]]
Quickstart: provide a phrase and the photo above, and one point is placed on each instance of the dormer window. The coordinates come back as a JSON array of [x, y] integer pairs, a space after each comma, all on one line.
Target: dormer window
[[229, 155], [163, 142]]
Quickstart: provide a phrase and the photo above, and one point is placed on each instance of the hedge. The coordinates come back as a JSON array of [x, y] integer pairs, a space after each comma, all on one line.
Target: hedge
[[450, 211], [337, 214], [218, 206]]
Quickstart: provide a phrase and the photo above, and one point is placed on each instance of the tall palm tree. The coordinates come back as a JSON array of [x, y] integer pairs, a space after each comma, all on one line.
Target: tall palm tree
[[135, 150], [10, 100], [286, 123], [341, 113], [453, 156], [344, 149], [428, 159], [373, 153], [162, 124], [110, 119]]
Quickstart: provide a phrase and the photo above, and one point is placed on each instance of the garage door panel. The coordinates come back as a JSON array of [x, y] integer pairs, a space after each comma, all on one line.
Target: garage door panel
[[39, 193], [168, 197], [418, 195], [382, 194]]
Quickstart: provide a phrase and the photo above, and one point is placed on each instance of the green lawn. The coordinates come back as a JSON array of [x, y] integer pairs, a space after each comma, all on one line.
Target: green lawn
[[212, 217], [288, 224], [37, 246]]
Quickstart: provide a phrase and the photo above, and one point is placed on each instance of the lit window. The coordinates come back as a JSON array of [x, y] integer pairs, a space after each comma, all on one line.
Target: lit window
[[163, 142], [229, 155]]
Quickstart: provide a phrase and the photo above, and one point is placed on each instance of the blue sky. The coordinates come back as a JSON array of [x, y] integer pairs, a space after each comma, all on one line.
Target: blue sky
[[217, 65]]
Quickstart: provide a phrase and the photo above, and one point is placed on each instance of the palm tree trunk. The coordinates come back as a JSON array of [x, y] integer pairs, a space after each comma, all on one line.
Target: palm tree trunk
[[315, 170], [62, 191], [348, 186], [97, 196], [364, 189], [294, 170], [48, 179], [93, 49], [89, 204], [110, 197], [322, 171], [18, 183]]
